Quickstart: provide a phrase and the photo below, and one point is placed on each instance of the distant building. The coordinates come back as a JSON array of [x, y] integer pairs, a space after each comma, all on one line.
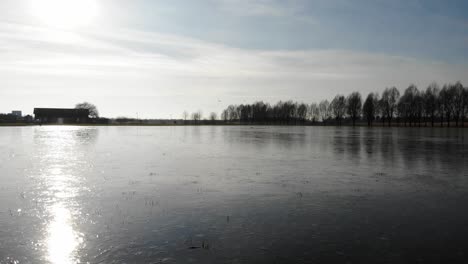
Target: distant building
[[61, 115], [18, 114]]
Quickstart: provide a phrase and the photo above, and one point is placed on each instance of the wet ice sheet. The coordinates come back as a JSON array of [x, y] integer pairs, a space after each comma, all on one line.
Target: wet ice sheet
[[232, 194]]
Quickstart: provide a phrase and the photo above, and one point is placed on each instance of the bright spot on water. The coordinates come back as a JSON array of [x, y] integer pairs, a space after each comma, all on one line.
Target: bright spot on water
[[62, 185], [62, 240]]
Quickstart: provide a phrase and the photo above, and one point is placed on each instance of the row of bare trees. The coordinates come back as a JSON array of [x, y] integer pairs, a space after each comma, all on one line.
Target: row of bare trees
[[288, 112], [416, 107], [413, 107], [198, 116]]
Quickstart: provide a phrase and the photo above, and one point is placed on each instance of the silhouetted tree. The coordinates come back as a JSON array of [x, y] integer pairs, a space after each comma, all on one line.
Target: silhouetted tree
[[233, 113], [284, 112], [301, 112], [389, 102], [197, 116], [313, 112], [465, 105], [419, 107], [260, 112], [381, 111], [413, 108], [378, 108], [457, 107], [289, 110], [93, 111], [225, 115], [370, 108], [354, 106], [338, 106], [409, 105], [445, 104], [245, 113], [325, 110], [431, 96]]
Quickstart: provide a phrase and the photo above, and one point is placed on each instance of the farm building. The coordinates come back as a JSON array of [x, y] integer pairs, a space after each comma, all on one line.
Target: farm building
[[61, 115]]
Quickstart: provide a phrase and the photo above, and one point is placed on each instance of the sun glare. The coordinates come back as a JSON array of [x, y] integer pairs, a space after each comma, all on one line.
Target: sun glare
[[65, 13]]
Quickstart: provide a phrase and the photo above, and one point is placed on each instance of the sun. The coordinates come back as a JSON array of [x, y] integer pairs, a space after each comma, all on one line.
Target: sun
[[65, 13]]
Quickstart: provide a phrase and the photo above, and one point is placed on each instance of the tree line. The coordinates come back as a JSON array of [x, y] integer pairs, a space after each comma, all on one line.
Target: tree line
[[447, 105]]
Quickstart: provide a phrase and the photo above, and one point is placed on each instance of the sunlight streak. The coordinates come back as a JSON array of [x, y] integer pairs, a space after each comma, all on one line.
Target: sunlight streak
[[62, 240]]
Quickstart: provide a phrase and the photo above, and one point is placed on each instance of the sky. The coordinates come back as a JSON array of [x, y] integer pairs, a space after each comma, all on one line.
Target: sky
[[155, 58]]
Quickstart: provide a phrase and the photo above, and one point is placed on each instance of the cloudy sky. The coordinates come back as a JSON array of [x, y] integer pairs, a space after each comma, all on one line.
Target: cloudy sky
[[158, 58]]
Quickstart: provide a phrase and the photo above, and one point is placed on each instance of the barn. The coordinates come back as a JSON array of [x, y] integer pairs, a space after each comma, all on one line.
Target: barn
[[61, 115]]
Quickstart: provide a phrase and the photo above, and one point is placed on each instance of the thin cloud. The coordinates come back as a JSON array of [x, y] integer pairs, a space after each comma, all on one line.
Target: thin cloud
[[290, 10], [125, 62]]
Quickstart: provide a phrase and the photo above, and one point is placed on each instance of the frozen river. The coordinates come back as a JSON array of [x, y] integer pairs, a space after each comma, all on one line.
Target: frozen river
[[234, 194]]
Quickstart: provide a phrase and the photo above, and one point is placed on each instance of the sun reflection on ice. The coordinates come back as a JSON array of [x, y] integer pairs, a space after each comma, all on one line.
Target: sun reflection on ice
[[61, 175], [62, 240]]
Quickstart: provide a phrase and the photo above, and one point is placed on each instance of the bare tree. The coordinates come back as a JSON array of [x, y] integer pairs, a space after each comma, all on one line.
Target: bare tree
[[225, 115], [408, 105], [245, 113], [213, 116], [370, 108], [197, 116], [378, 108], [232, 113], [430, 101], [260, 111], [313, 113], [445, 104], [465, 105], [301, 113], [457, 92], [93, 111], [354, 106], [389, 102], [324, 108], [338, 106], [414, 107], [419, 103]]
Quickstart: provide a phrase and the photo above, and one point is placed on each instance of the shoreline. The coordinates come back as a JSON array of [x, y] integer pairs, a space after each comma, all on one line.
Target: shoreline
[[396, 125]]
